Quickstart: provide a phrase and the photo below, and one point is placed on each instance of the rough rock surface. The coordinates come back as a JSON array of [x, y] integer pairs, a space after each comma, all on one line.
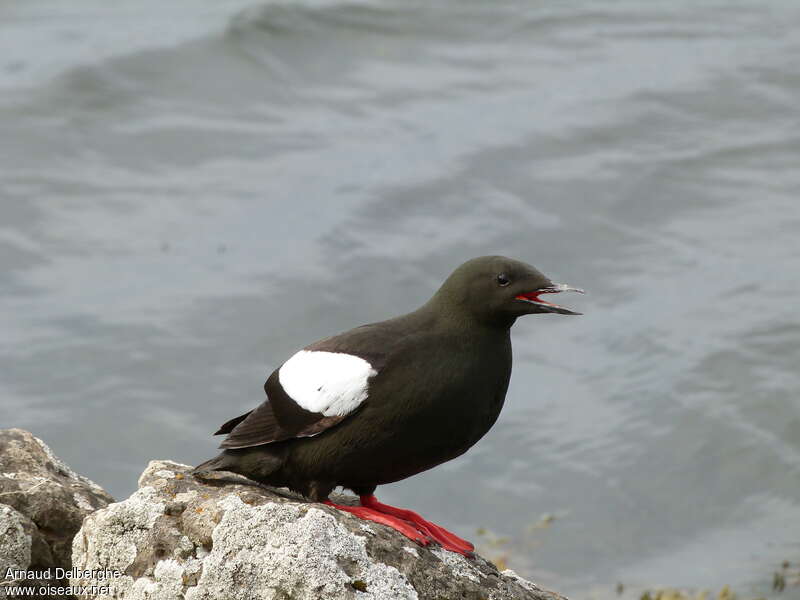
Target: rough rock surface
[[42, 505], [181, 537]]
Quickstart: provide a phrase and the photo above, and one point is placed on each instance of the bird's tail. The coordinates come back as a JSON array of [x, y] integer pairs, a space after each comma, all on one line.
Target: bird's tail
[[261, 463], [221, 462]]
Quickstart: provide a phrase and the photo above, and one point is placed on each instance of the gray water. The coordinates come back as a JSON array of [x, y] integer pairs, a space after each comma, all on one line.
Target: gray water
[[190, 192]]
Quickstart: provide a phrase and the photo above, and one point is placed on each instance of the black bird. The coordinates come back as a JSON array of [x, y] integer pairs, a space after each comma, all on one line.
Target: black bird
[[388, 400]]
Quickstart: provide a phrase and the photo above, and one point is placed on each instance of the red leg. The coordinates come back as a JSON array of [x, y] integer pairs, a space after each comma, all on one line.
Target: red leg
[[407, 529], [448, 540]]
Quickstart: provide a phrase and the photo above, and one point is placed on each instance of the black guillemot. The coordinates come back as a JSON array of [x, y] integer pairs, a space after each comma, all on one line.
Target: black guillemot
[[388, 400]]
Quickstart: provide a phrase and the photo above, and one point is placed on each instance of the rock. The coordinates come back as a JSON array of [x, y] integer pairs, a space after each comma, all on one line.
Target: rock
[[16, 533], [42, 505], [181, 537]]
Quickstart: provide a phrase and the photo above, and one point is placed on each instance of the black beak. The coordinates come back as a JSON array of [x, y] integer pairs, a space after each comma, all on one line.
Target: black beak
[[544, 305]]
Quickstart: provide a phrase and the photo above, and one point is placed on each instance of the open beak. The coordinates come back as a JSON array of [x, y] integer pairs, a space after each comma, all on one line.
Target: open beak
[[544, 305]]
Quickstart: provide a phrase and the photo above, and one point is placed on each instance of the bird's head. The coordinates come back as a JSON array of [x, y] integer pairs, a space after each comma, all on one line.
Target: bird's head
[[496, 289]]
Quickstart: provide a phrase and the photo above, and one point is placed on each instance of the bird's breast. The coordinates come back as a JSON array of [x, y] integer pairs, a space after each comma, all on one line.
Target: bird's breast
[[448, 395]]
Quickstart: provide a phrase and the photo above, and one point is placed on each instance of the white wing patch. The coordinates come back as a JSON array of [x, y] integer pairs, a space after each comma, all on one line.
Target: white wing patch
[[330, 383]]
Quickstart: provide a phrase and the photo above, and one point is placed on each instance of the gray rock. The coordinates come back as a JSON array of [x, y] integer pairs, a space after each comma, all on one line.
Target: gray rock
[[42, 505], [15, 548], [181, 537]]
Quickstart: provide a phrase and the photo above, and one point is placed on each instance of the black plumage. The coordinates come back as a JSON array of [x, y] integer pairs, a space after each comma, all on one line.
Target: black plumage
[[434, 382]]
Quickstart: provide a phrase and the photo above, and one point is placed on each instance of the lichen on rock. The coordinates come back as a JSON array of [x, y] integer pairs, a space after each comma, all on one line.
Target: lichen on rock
[[181, 537], [15, 549], [46, 500]]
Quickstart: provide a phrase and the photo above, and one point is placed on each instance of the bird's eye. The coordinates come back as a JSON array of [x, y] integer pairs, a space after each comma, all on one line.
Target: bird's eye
[[503, 279]]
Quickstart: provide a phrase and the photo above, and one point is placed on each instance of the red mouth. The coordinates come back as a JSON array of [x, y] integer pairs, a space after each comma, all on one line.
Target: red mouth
[[533, 298]]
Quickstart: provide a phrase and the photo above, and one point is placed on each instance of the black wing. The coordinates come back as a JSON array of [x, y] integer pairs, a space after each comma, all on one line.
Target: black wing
[[228, 426], [277, 419], [281, 417]]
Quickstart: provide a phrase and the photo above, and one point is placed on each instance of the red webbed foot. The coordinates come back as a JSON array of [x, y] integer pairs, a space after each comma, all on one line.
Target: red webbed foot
[[448, 540], [398, 524]]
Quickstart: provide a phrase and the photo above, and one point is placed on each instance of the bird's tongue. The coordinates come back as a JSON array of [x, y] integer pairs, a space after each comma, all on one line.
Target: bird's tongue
[[534, 297]]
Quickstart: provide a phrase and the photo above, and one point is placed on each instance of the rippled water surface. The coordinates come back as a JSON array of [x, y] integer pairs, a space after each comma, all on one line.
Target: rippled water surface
[[189, 192]]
